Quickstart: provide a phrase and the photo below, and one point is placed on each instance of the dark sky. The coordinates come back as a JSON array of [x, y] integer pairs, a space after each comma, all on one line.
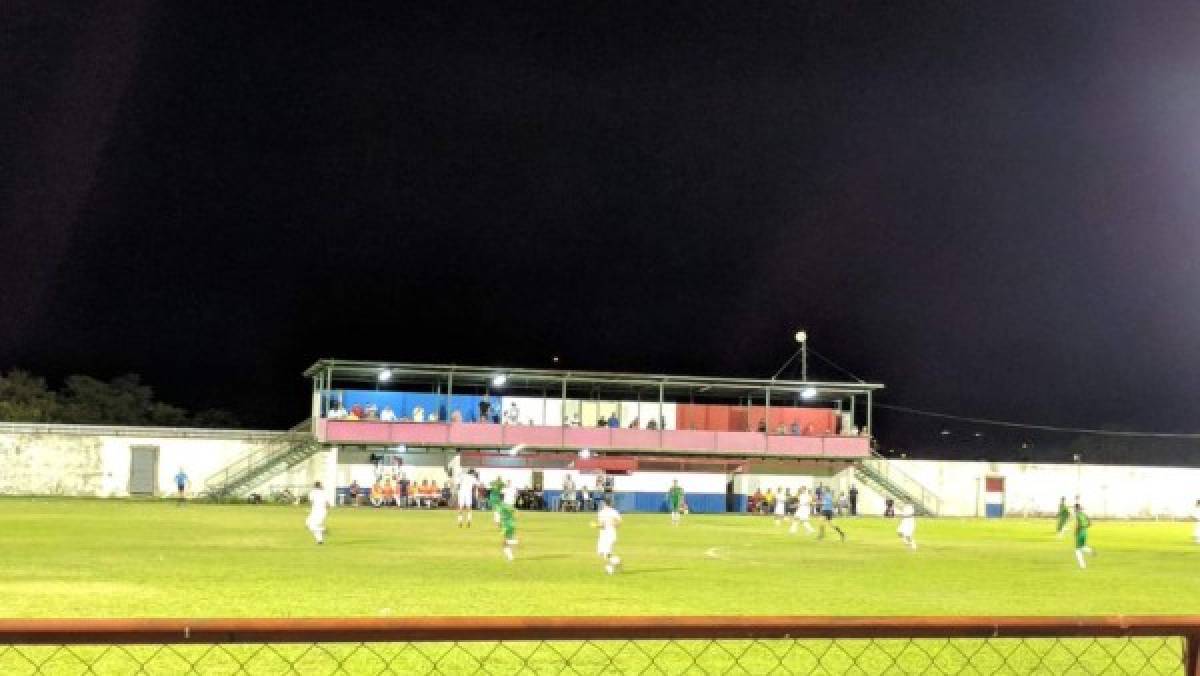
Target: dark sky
[[989, 207]]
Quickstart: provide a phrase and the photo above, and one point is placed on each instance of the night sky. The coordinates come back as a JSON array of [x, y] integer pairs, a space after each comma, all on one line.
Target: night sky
[[989, 207]]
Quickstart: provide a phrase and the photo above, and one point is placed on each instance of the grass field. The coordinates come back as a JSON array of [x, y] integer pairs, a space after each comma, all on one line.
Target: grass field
[[96, 558]]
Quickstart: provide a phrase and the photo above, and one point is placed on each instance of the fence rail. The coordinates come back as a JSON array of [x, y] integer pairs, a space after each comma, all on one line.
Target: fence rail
[[604, 645]]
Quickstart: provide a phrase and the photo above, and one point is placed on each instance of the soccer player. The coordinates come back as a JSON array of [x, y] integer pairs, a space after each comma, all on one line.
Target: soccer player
[[780, 506], [510, 494], [466, 497], [508, 528], [803, 511], [908, 525], [181, 483], [1081, 528], [495, 492], [607, 520], [675, 500], [827, 512], [1063, 515], [319, 505]]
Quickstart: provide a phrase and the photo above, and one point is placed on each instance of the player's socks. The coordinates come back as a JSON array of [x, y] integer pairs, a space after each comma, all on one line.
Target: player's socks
[[1079, 558], [842, 534], [508, 553]]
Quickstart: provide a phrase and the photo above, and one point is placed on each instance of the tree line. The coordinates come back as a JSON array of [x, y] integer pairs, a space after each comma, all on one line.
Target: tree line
[[85, 400]]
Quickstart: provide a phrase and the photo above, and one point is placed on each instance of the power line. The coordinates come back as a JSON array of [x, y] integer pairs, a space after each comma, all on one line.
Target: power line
[[1033, 426]]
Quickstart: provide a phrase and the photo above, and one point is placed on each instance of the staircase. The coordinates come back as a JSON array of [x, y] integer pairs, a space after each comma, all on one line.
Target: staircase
[[278, 455], [890, 481]]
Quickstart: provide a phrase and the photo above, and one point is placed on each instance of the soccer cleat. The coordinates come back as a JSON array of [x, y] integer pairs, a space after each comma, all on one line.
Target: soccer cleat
[[609, 569]]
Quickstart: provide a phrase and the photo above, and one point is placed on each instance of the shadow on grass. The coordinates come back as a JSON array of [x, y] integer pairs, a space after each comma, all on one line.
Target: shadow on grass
[[650, 571], [544, 557]]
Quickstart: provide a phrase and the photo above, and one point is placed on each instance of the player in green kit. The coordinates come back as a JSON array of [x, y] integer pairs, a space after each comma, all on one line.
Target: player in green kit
[[675, 500], [495, 497], [1063, 515], [1081, 531], [508, 527]]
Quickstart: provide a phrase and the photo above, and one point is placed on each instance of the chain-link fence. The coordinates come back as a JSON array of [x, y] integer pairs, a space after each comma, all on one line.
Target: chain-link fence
[[643, 645]]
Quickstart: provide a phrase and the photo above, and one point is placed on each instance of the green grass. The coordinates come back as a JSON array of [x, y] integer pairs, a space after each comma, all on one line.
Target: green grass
[[97, 558], [94, 558]]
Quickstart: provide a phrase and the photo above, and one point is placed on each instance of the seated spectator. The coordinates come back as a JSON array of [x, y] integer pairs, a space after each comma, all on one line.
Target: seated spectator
[[388, 415], [418, 413], [795, 429], [456, 416], [336, 412], [613, 422], [371, 412], [358, 411], [782, 429], [762, 425], [635, 423], [652, 425], [353, 416], [432, 417], [354, 493], [576, 420], [389, 492], [513, 415], [377, 492]]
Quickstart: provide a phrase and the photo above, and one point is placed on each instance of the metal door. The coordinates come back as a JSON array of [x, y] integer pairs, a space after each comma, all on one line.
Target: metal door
[[143, 468]]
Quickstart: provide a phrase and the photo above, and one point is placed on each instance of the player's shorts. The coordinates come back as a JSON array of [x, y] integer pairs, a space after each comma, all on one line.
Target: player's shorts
[[465, 501], [509, 532], [315, 522], [908, 525], [1081, 538], [803, 514], [828, 514], [780, 510], [674, 506], [604, 544], [180, 487]]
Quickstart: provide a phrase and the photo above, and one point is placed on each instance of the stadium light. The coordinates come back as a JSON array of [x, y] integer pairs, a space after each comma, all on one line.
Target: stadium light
[[585, 453], [499, 379], [516, 449], [385, 375], [808, 393]]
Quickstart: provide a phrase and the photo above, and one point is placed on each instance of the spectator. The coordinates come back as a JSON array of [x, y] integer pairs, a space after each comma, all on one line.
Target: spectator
[[756, 501], [762, 425], [795, 429], [389, 492], [377, 492], [781, 430], [418, 414], [485, 408], [612, 420], [432, 416], [652, 425], [371, 412], [889, 508], [585, 500], [768, 502], [336, 412], [446, 493], [354, 493], [635, 423], [853, 500], [568, 493], [358, 412], [513, 415], [576, 420], [456, 416], [388, 414]]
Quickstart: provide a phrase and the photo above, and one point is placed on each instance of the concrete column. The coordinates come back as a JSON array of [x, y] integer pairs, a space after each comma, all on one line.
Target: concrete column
[[331, 475]]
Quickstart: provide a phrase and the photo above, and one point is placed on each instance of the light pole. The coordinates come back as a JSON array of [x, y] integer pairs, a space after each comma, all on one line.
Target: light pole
[[802, 338]]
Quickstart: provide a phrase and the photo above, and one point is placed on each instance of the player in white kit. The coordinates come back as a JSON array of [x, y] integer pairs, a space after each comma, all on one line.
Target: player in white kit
[[781, 500], [908, 525], [510, 493], [803, 511], [319, 503], [607, 520], [466, 497]]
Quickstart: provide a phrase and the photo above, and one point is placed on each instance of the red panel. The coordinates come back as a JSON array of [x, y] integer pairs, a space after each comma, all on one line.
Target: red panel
[[788, 445], [846, 447], [719, 418], [533, 435], [741, 441], [628, 438], [479, 434], [994, 484]]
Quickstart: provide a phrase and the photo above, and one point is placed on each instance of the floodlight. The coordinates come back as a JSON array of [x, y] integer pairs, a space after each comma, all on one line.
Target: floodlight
[[499, 379], [385, 375], [808, 393], [801, 337], [585, 454], [516, 449]]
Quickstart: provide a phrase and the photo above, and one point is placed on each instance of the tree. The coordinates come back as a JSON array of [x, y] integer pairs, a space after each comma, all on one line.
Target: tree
[[216, 418], [25, 398]]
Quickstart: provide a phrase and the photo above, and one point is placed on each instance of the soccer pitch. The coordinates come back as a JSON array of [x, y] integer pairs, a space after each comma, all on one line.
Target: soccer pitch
[[111, 558]]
